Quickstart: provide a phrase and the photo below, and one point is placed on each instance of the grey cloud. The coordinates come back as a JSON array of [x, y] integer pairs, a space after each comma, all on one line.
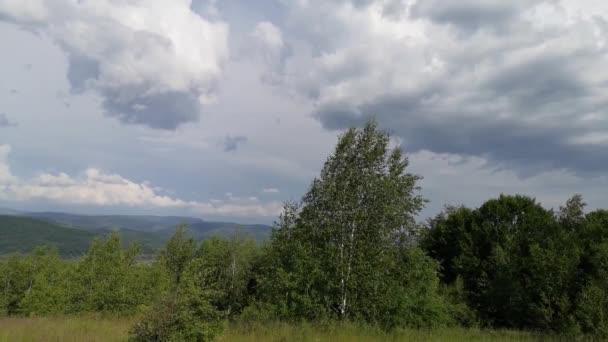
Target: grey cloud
[[160, 111], [542, 89], [539, 83], [81, 69], [5, 122], [472, 15], [138, 103], [231, 143]]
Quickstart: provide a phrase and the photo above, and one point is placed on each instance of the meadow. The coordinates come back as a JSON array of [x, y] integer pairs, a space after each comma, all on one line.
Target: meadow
[[98, 328]]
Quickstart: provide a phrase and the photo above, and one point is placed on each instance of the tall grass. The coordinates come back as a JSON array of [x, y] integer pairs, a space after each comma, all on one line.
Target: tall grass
[[98, 328], [347, 332], [65, 329]]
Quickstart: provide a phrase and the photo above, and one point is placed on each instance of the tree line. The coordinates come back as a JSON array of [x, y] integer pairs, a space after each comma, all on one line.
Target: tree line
[[351, 249]]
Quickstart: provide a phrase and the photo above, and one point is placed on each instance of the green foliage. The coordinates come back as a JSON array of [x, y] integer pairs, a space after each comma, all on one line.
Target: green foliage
[[591, 302], [177, 255], [189, 314], [525, 267], [230, 267], [343, 252], [16, 277], [459, 310], [48, 293], [24, 234], [210, 285], [108, 279], [34, 284], [412, 297]]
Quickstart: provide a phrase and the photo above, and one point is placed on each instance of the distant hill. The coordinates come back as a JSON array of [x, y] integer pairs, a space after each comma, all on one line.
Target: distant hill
[[72, 233], [12, 212], [207, 229], [21, 234], [24, 234], [143, 223], [160, 226]]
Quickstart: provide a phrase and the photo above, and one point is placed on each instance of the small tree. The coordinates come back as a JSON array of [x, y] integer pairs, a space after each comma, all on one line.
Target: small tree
[[49, 290], [188, 313], [230, 263], [180, 250], [193, 310], [107, 278]]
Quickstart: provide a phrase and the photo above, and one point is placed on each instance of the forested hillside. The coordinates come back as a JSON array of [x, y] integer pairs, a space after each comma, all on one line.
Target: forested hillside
[[24, 234], [72, 234], [144, 223]]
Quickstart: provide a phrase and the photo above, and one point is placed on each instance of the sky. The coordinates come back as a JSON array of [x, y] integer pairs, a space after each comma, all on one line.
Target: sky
[[225, 109]]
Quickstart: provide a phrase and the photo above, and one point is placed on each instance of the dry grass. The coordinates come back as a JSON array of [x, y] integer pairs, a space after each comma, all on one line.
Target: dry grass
[[97, 328]]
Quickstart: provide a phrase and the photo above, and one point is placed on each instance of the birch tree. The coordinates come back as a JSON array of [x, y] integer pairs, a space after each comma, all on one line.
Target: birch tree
[[350, 226]]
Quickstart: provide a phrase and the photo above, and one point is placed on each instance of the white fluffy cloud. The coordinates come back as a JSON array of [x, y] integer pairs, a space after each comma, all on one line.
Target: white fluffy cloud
[[94, 187], [267, 34], [153, 62]]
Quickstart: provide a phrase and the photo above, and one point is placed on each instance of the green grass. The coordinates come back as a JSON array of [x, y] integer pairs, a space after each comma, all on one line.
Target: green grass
[[97, 328]]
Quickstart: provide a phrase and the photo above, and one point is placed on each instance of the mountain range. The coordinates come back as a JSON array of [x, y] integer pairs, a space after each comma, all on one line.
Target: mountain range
[[21, 232]]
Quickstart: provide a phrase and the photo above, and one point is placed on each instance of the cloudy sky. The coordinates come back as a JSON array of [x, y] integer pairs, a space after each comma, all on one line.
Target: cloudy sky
[[223, 109]]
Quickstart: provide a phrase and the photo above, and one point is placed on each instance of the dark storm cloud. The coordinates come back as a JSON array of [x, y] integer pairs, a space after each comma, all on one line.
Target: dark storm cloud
[[533, 131], [232, 143]]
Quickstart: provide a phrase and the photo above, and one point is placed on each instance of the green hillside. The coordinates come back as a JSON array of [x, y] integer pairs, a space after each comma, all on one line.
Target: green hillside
[[19, 234], [72, 234], [207, 229], [24, 234], [152, 230], [143, 223]]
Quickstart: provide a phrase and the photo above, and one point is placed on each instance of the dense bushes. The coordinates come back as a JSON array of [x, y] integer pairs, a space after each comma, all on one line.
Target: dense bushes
[[107, 279], [526, 267]]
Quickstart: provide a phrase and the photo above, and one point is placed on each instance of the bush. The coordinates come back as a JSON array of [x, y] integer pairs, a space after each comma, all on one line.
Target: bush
[[189, 314], [176, 319]]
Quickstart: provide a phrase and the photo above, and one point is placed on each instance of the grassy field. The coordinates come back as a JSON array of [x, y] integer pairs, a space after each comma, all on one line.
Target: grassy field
[[349, 332], [68, 329], [15, 329]]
